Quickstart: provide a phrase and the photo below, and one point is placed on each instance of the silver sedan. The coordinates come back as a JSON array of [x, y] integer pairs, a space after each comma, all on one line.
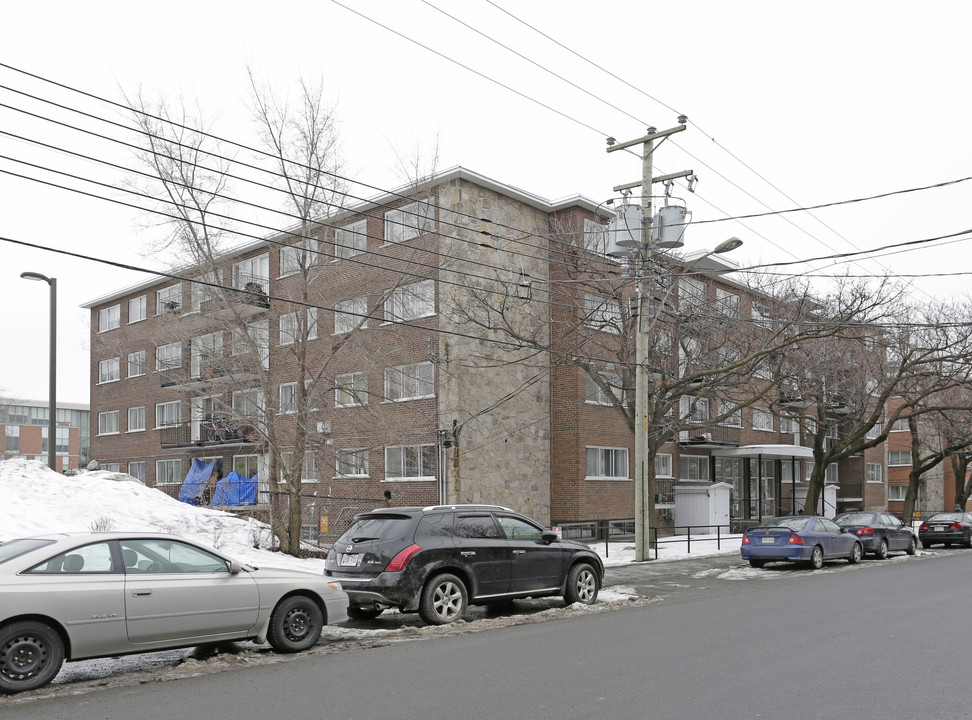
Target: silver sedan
[[82, 595]]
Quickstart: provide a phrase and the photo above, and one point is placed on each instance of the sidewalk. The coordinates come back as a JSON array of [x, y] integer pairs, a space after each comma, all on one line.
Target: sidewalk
[[671, 548]]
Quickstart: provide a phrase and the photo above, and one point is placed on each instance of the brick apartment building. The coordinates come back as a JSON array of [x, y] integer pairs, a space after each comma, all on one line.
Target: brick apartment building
[[412, 395], [26, 426]]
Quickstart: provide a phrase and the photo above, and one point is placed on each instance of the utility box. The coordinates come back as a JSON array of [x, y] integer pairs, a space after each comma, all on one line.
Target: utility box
[[703, 506]]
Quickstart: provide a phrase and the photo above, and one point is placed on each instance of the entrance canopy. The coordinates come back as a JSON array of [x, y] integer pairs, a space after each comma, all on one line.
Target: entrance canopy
[[767, 451]]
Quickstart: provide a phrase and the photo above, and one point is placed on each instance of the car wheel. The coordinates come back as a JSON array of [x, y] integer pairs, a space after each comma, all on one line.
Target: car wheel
[[364, 613], [444, 600], [295, 624], [857, 551], [912, 547], [816, 557], [757, 563], [582, 585], [31, 654], [882, 550], [925, 545], [947, 545]]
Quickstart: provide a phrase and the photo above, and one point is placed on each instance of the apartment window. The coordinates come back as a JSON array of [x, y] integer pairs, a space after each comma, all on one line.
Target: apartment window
[[350, 389], [246, 465], [136, 419], [169, 300], [761, 314], [352, 463], [409, 382], [595, 237], [830, 474], [168, 414], [689, 352], [896, 493], [298, 256], [351, 240], [12, 437], [900, 425], [136, 309], [663, 465], [136, 363], [253, 274], [111, 467], [289, 331], [727, 303], [257, 337], [594, 394], [308, 471], [168, 357], [874, 474], [109, 318], [732, 420], [899, 457], [205, 354], [789, 425], [168, 472], [409, 221], [728, 356], [411, 302], [205, 290], [109, 370], [691, 294], [414, 462], [606, 462], [762, 419], [348, 313], [693, 409], [62, 440], [248, 403], [137, 471], [602, 313], [108, 423], [875, 431], [693, 467], [288, 398]]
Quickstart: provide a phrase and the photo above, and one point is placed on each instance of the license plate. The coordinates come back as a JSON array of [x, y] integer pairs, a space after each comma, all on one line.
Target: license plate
[[349, 560], [937, 528], [767, 541]]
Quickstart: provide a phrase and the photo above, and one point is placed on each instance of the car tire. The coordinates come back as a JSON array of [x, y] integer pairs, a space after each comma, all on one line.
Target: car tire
[[925, 545], [31, 655], [912, 547], [295, 624], [816, 557], [882, 550], [947, 545], [582, 585], [444, 600], [857, 552], [364, 613], [757, 563]]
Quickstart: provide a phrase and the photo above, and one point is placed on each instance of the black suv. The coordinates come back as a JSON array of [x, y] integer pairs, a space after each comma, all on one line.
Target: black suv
[[439, 560]]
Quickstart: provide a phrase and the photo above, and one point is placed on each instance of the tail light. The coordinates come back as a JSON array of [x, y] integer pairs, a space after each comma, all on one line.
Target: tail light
[[795, 540], [399, 562], [865, 531], [956, 526], [923, 526], [745, 540]]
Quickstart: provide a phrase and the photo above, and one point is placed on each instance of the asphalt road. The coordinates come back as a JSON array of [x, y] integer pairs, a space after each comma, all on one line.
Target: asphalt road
[[883, 639]]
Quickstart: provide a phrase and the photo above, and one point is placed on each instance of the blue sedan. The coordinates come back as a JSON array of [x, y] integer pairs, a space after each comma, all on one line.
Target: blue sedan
[[800, 538]]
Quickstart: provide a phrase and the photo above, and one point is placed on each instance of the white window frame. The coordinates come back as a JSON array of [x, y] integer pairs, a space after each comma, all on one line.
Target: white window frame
[[789, 425], [594, 395], [168, 414], [875, 430], [894, 491], [348, 313], [136, 363], [288, 398], [595, 237], [297, 257], [137, 309], [727, 303], [410, 221], [598, 458], [421, 452], [410, 382], [410, 302], [692, 294], [308, 469], [249, 403], [109, 318], [351, 462], [701, 412], [108, 423], [875, 473], [138, 466], [168, 472], [602, 313], [201, 292], [255, 269], [136, 419], [351, 389], [734, 420], [168, 357], [689, 467], [168, 299], [351, 240], [900, 425], [895, 458], [763, 419], [109, 370], [663, 465]]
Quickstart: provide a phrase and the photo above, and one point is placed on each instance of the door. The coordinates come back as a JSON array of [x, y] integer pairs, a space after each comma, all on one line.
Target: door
[[485, 553], [178, 592], [899, 536], [536, 565]]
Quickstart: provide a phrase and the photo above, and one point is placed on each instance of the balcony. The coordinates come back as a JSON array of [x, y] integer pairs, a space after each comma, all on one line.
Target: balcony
[[794, 401], [708, 437], [209, 373], [212, 432]]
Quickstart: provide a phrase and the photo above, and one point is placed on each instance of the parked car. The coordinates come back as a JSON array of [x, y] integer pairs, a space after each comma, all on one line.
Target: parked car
[[82, 595], [946, 529], [800, 538], [438, 560], [880, 532]]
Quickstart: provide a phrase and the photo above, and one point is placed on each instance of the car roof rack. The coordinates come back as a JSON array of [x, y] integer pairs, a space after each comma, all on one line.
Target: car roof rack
[[467, 506]]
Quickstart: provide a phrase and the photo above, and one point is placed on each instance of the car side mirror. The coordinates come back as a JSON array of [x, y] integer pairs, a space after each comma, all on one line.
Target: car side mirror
[[235, 567], [548, 536]]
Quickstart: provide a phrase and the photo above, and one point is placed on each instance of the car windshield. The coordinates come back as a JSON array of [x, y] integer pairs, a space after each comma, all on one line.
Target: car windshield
[[376, 527], [855, 519], [794, 523], [15, 548]]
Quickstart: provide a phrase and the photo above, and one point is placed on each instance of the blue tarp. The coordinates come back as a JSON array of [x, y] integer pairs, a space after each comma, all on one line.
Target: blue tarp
[[235, 490], [196, 481]]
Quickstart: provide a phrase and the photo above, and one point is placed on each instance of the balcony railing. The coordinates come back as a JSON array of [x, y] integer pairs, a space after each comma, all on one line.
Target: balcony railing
[[214, 431], [713, 435]]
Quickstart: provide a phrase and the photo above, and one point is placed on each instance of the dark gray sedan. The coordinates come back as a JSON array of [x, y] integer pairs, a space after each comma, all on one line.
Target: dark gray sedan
[[881, 532], [82, 595]]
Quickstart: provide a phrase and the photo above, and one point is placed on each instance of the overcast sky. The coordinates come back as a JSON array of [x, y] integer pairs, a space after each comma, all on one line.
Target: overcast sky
[[789, 105]]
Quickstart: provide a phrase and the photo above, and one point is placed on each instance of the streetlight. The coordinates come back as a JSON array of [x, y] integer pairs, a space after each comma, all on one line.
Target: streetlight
[[52, 370]]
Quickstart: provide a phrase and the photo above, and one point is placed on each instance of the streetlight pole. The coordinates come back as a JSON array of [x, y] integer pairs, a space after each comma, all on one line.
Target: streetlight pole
[[52, 370]]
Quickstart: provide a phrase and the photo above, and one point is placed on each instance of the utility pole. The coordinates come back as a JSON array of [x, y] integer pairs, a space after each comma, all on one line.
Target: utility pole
[[644, 502]]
